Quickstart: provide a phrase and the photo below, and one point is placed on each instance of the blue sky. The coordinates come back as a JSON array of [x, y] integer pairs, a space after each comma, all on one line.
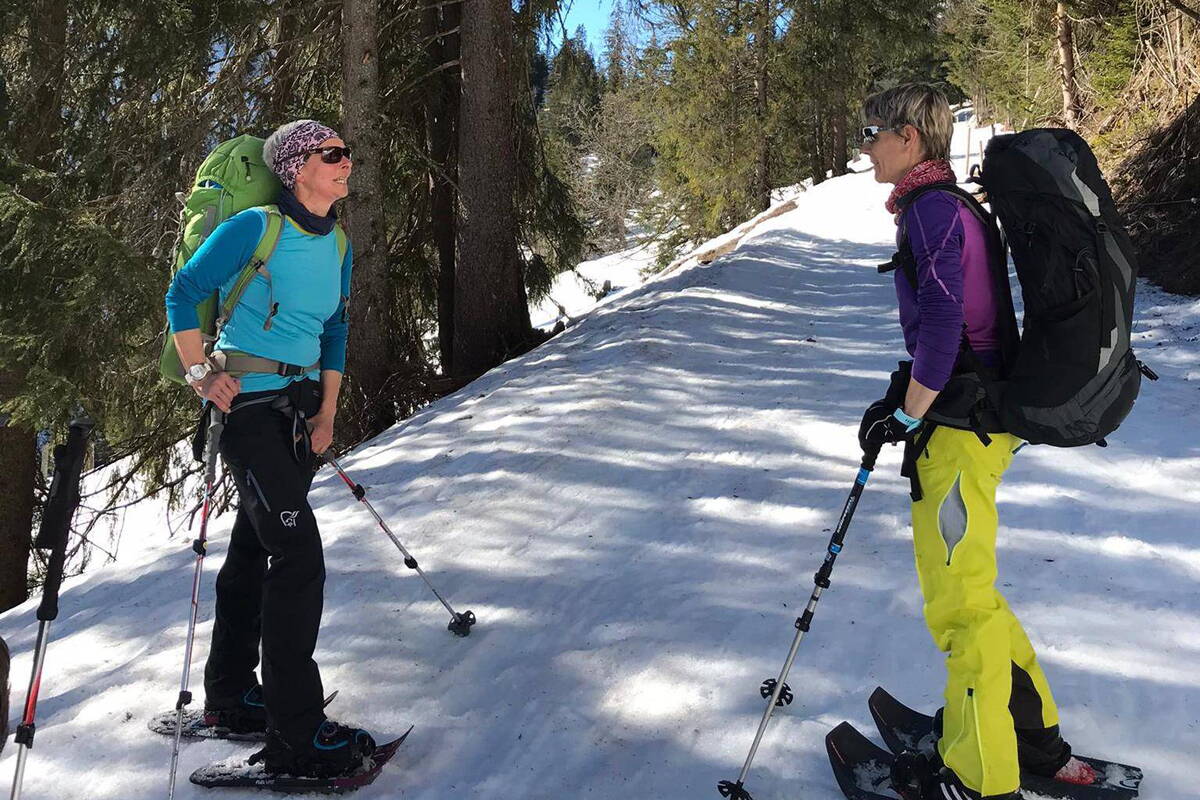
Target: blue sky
[[593, 15]]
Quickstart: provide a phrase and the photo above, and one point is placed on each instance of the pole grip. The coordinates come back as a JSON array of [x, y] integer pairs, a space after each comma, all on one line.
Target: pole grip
[[869, 457], [58, 511], [212, 442]]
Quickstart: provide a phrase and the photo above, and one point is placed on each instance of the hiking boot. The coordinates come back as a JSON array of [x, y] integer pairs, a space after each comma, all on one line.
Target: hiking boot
[[1043, 751], [244, 715], [334, 751], [919, 776]]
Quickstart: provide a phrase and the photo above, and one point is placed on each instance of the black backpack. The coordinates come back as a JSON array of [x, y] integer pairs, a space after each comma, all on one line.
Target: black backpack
[[1070, 378]]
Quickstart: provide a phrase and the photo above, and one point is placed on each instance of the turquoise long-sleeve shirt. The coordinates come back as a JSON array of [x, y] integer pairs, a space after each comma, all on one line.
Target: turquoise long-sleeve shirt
[[308, 281]]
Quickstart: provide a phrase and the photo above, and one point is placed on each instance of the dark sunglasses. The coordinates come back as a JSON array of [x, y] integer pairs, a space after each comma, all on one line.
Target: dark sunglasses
[[871, 132], [330, 155]]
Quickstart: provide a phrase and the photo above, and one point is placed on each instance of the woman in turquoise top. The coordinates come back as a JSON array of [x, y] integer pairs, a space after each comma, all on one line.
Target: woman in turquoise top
[[280, 414]]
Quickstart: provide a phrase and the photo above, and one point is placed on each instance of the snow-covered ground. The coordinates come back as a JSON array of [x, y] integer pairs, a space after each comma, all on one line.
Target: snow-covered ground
[[634, 511], [576, 292]]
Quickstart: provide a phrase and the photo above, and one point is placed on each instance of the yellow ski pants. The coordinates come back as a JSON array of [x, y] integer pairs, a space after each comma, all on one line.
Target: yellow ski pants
[[994, 682]]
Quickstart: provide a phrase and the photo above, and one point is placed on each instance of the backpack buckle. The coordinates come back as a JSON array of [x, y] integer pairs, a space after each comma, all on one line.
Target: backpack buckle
[[289, 370]]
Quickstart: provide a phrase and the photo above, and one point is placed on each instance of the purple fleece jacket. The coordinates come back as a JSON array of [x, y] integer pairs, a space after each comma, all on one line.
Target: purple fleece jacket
[[953, 288]]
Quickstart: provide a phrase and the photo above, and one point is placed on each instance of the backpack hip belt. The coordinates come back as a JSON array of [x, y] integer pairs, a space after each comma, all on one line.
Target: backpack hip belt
[[243, 363]]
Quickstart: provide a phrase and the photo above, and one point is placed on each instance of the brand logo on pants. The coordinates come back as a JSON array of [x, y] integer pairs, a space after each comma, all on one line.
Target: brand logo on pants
[[288, 518]]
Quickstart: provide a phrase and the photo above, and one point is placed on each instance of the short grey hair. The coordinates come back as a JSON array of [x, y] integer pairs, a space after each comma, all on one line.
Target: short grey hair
[[921, 105], [271, 145]]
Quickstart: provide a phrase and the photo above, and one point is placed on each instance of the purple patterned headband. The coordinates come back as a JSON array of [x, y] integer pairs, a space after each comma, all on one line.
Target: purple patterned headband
[[285, 148]]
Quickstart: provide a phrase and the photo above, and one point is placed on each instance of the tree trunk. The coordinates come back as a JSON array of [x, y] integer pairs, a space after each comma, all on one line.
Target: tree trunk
[[18, 461], [283, 62], [370, 358], [1066, 68], [817, 145], [439, 28], [491, 315], [38, 135], [840, 145], [765, 35]]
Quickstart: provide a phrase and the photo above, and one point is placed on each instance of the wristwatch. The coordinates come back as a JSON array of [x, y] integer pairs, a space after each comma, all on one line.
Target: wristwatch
[[197, 372]]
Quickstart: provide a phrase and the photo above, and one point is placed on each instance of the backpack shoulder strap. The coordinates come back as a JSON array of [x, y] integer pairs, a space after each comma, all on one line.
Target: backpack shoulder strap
[[972, 203], [257, 263], [343, 244], [953, 189], [1009, 337], [905, 259]]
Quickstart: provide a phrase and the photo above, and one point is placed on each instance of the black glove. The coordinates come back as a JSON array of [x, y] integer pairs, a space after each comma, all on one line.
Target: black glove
[[881, 426]]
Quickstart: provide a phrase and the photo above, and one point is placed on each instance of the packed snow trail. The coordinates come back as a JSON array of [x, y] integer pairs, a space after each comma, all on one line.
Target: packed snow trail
[[634, 511]]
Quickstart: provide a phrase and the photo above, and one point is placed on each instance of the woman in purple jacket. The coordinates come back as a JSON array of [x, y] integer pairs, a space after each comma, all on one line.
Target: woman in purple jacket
[[999, 716]]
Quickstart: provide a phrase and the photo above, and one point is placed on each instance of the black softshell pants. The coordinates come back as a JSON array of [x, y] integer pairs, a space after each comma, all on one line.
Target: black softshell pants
[[270, 589]]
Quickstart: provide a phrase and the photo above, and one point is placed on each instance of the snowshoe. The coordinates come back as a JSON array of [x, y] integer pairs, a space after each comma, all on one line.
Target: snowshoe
[[247, 715], [334, 751], [904, 728], [199, 725], [236, 773]]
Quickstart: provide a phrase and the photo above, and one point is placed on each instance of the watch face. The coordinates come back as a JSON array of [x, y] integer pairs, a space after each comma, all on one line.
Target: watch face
[[198, 371]]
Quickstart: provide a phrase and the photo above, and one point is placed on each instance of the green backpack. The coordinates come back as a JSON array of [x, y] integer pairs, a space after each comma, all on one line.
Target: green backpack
[[233, 178]]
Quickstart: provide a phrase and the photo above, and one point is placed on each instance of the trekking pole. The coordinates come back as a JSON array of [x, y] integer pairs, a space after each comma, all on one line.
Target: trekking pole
[[52, 536], [775, 690], [216, 423], [460, 624]]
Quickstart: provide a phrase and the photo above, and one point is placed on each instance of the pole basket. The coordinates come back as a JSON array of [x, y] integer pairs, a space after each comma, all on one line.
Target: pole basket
[[461, 624], [734, 791], [767, 688]]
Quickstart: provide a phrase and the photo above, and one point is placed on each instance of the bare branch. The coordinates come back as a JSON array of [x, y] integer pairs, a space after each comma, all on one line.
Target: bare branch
[[1189, 11]]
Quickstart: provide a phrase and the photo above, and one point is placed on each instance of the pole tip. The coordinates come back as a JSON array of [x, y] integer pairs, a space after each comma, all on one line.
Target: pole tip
[[461, 624]]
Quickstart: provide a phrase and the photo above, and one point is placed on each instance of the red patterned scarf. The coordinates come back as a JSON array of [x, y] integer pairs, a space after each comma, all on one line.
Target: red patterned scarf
[[923, 174]]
